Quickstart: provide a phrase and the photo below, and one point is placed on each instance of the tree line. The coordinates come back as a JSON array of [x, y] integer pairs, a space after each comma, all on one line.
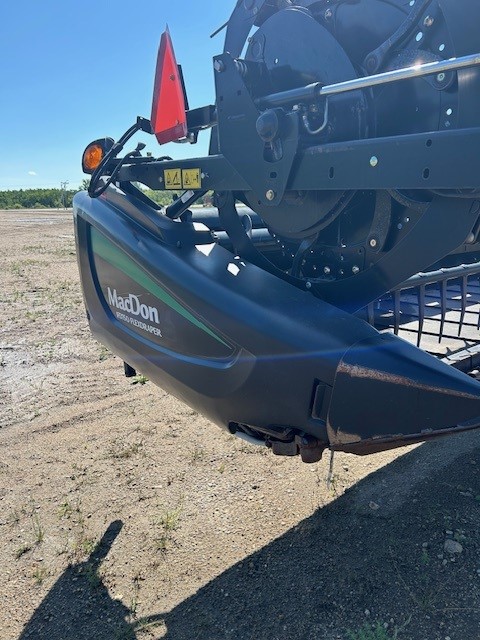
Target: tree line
[[60, 199], [36, 199]]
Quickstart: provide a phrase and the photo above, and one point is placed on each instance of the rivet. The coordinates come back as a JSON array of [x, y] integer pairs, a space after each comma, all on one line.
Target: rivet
[[327, 271], [441, 47], [373, 243], [428, 22], [373, 161], [308, 285], [419, 36], [328, 14], [270, 195], [449, 112], [440, 77]]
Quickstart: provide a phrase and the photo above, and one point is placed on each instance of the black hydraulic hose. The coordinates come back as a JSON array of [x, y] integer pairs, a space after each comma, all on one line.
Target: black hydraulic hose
[[94, 191]]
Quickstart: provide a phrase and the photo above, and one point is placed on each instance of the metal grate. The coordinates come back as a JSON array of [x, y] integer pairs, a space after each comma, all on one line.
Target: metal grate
[[439, 311]]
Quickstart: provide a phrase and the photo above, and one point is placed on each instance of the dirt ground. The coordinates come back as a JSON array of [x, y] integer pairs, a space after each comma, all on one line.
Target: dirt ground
[[125, 515]]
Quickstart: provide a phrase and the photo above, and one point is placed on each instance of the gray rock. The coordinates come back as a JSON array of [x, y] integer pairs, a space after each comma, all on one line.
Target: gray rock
[[452, 546]]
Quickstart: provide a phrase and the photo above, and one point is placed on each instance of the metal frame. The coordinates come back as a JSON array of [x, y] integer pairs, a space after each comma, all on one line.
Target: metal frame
[[399, 162]]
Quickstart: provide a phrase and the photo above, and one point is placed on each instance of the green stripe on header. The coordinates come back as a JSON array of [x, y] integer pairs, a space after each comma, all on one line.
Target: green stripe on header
[[115, 257]]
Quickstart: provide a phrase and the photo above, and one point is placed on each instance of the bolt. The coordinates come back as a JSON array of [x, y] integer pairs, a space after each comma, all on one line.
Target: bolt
[[308, 285], [373, 161], [270, 195], [428, 22], [328, 14], [373, 243], [419, 36], [355, 270], [327, 271], [400, 226], [470, 239], [441, 77], [219, 66]]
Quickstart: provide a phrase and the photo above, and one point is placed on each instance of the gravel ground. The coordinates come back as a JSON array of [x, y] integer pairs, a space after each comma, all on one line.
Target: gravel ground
[[126, 515]]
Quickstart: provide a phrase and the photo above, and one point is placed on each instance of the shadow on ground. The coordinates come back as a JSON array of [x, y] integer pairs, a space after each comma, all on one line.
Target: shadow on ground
[[79, 605], [375, 555]]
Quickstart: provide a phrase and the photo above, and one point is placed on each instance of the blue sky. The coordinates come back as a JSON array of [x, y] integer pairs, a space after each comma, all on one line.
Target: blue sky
[[71, 72]]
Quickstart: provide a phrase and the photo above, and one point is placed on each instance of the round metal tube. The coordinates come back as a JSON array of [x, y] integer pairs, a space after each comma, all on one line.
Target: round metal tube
[[316, 90]]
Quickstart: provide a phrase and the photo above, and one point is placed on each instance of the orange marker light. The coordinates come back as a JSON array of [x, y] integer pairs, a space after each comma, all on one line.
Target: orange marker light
[[95, 153], [92, 157], [169, 118]]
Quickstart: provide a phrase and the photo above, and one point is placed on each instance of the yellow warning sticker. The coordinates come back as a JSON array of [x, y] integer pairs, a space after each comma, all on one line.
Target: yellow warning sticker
[[192, 179], [173, 178]]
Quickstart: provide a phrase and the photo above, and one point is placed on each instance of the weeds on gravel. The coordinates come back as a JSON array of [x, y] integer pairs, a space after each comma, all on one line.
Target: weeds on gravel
[[140, 379], [167, 523], [197, 455], [38, 530], [33, 315], [367, 632], [13, 518], [16, 269], [121, 451], [65, 510], [83, 545], [22, 550], [91, 574], [104, 353], [135, 596], [39, 575]]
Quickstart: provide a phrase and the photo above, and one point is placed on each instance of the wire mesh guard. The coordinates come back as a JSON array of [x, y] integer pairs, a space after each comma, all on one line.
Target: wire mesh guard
[[439, 311]]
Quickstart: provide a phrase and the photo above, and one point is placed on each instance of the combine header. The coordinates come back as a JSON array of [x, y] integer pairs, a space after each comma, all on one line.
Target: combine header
[[344, 160]]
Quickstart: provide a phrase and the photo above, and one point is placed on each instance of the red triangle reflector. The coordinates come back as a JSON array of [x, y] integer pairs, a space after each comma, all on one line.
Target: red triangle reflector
[[169, 117]]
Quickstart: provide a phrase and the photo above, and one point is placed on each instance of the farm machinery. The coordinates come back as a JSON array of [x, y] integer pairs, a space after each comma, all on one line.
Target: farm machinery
[[330, 297]]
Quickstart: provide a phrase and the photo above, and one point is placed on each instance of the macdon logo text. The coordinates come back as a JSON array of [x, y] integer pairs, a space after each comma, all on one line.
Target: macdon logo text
[[131, 304]]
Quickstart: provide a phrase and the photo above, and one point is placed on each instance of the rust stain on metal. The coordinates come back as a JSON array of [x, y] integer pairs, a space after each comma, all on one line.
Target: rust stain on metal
[[375, 445], [356, 371]]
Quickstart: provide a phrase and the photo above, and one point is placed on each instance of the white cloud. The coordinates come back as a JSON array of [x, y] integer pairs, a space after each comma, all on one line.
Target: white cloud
[[32, 173]]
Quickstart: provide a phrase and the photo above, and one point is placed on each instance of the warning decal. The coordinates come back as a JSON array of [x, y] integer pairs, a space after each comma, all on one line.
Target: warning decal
[[191, 179], [183, 179], [173, 179]]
